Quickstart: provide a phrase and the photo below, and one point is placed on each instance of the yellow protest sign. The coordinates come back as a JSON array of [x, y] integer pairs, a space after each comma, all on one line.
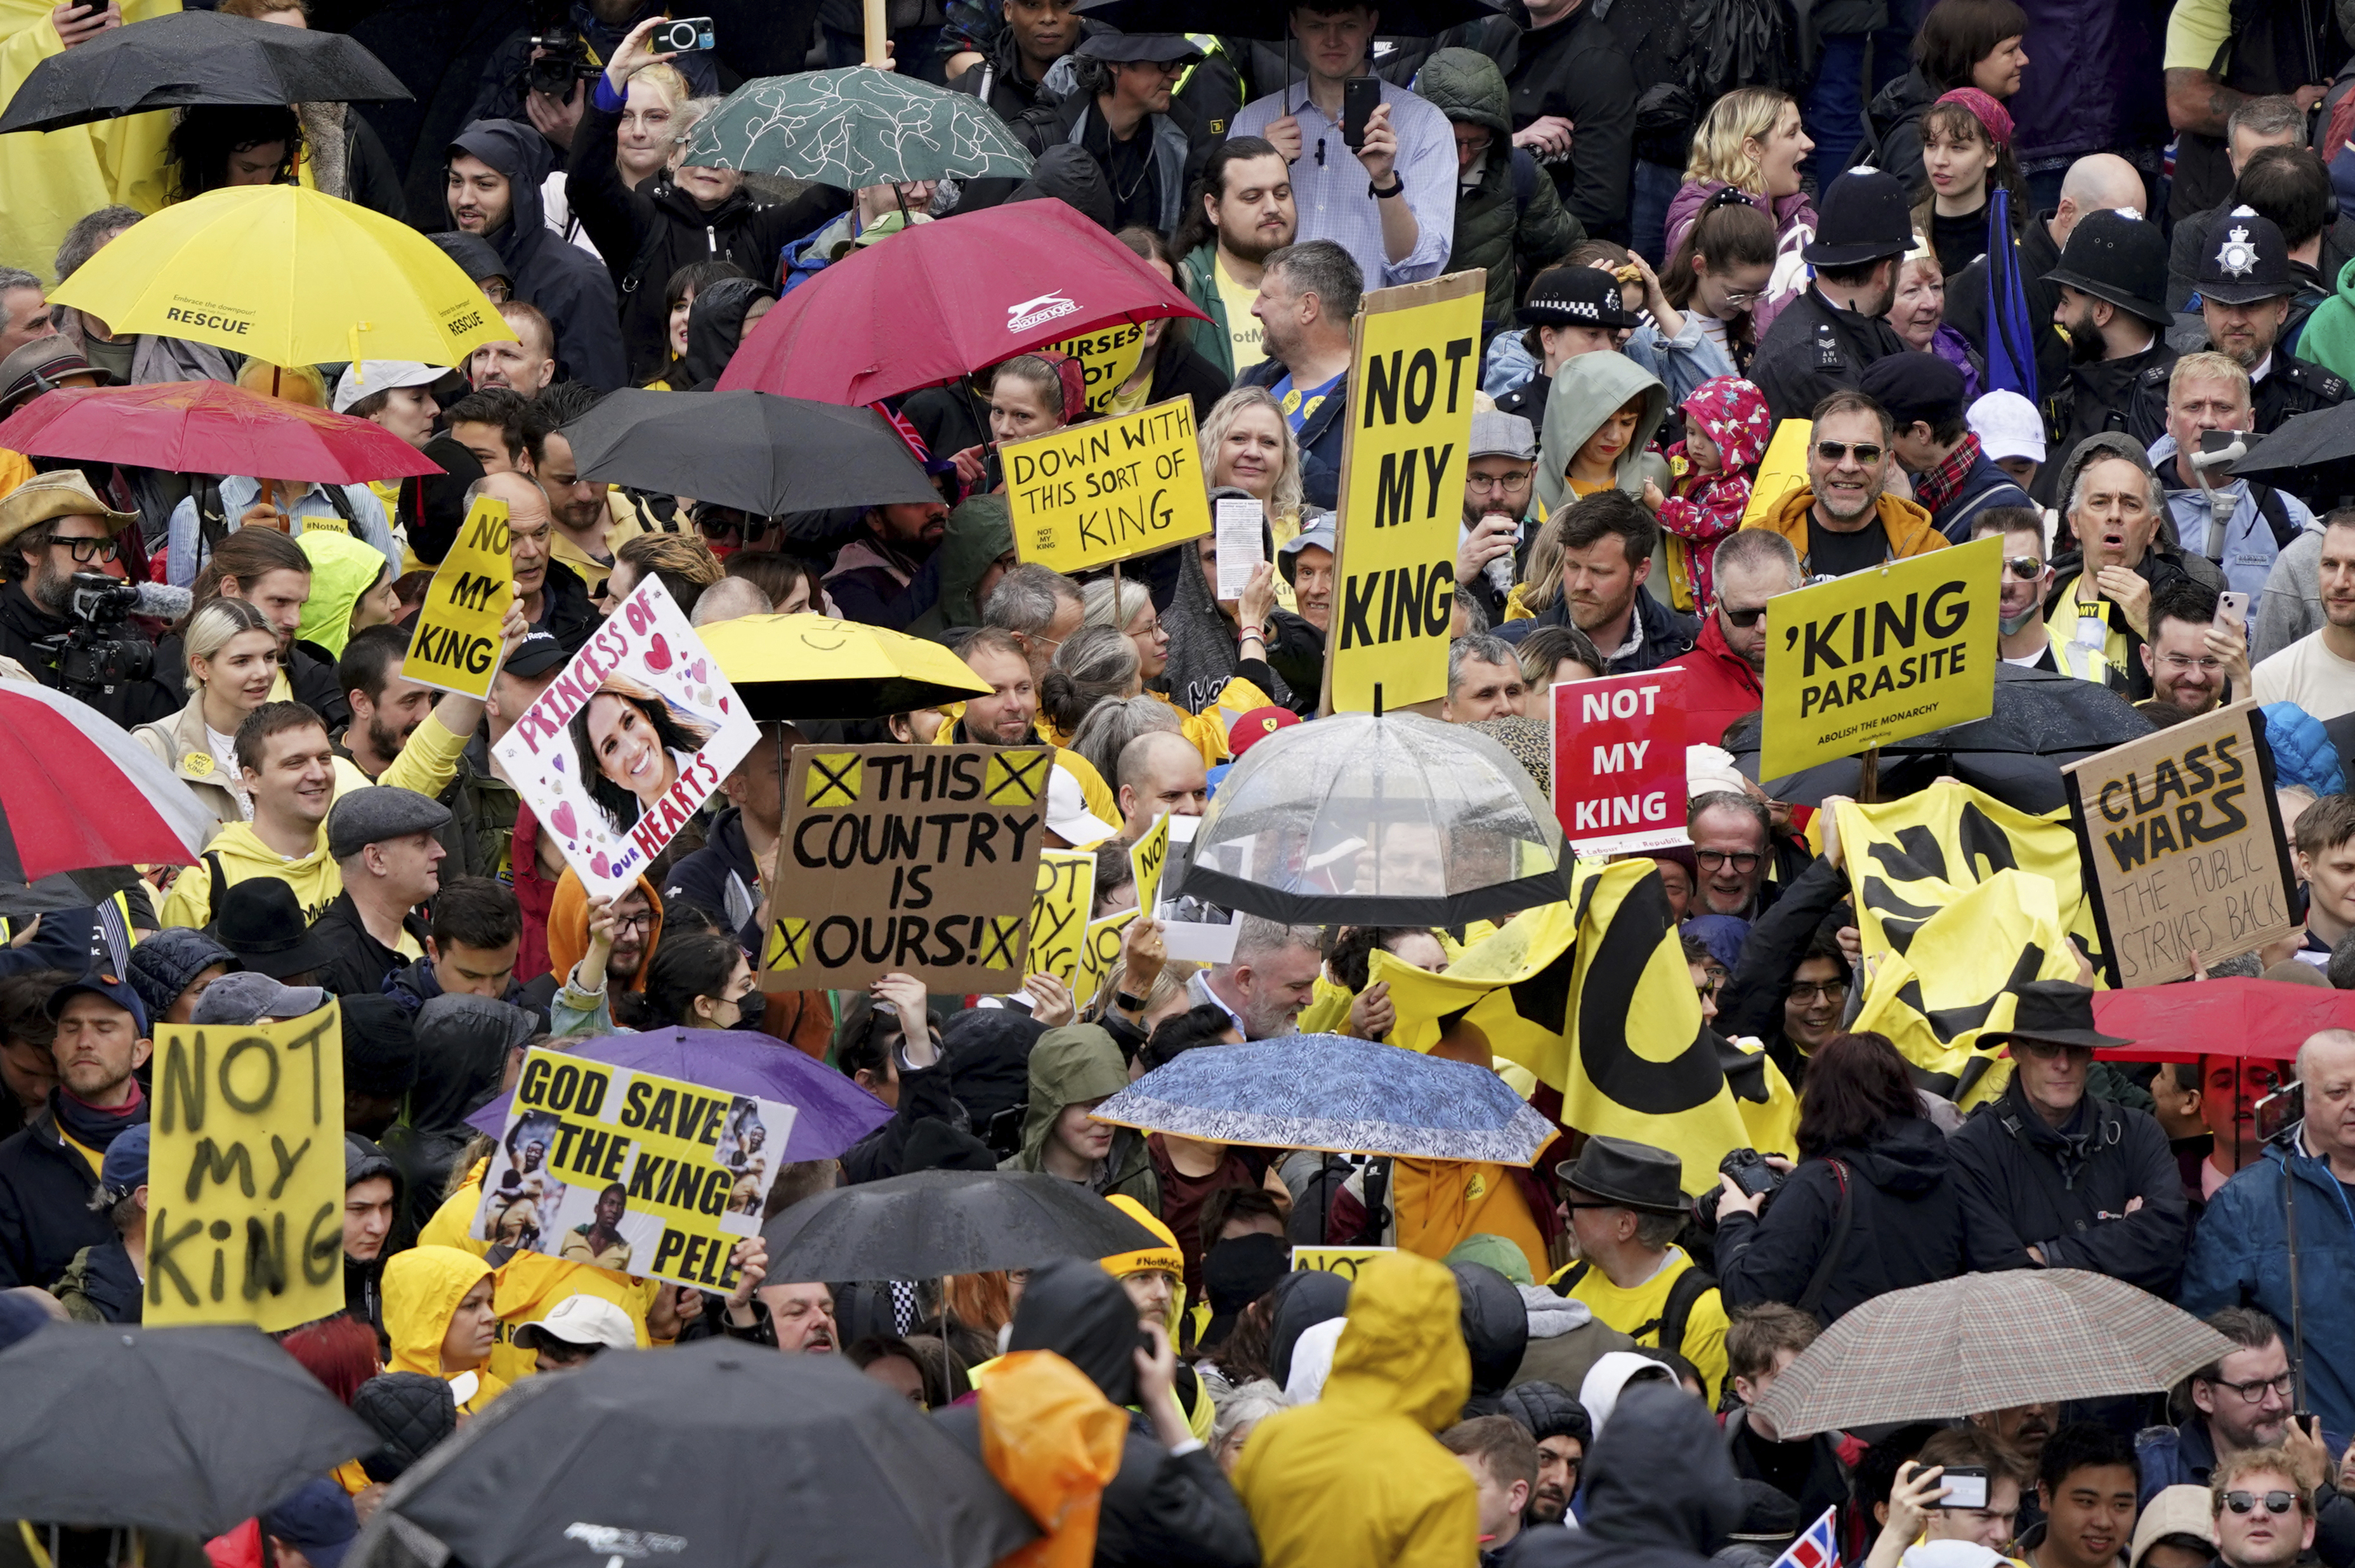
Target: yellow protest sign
[[1088, 495], [1109, 357], [1415, 365], [1099, 951], [456, 644], [1344, 1261], [245, 1184], [1059, 911], [1783, 470], [1880, 656], [629, 1171], [1147, 858]]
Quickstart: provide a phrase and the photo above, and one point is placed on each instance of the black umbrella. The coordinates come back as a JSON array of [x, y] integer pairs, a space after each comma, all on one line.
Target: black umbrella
[[753, 451], [2041, 723], [189, 1430], [194, 58], [933, 1222], [715, 1454], [2311, 455], [1269, 23]]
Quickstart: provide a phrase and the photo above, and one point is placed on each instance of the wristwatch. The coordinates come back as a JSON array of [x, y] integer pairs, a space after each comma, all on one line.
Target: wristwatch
[[1127, 1003], [1398, 187]]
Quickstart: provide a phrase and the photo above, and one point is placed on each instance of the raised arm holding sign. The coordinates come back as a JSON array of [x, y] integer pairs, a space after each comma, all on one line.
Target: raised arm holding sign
[[455, 645]]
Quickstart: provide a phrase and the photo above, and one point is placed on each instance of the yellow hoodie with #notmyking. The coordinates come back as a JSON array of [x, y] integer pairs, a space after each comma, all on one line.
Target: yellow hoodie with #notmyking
[[426, 765], [1202, 1415], [1357, 1477], [422, 1287], [527, 1286]]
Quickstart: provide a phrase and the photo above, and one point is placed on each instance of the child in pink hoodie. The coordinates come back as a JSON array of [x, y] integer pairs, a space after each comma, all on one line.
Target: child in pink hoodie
[[1726, 429]]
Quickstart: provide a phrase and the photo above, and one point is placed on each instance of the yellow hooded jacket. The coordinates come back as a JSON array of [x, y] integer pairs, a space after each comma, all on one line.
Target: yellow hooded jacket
[[422, 1287], [49, 179], [1355, 1480]]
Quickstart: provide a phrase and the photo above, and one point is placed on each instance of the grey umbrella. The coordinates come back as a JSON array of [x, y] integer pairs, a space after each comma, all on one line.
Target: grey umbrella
[[193, 57]]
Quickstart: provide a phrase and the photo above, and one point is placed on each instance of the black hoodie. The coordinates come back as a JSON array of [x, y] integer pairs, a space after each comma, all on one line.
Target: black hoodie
[[461, 1053], [1660, 1492], [565, 281], [1170, 1510], [715, 327], [1906, 1224], [362, 1282], [1496, 1331]]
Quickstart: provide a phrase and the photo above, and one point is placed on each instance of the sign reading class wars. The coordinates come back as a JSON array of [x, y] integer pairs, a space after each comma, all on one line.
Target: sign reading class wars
[[1880, 655], [1088, 495], [630, 1171], [1414, 366], [2182, 842], [916, 859], [245, 1187]]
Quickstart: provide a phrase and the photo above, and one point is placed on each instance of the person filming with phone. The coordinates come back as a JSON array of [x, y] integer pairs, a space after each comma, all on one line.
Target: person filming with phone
[[2198, 653], [1963, 1485], [2239, 524]]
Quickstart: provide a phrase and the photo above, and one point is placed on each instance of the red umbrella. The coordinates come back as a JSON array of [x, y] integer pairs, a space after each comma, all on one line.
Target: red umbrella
[[928, 306], [76, 791], [2268, 1019], [210, 427]]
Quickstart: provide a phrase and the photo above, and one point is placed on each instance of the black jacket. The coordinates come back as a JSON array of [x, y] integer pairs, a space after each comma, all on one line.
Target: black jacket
[[1659, 1490], [1320, 435], [1495, 1332], [998, 81], [1577, 68], [1666, 633], [1807, 1471], [1896, 113], [1814, 349], [1161, 1509], [1752, 1002], [1967, 305], [564, 281], [923, 1093], [565, 612], [647, 234], [720, 878], [353, 962], [1180, 372], [364, 1282], [25, 631], [2128, 395], [2064, 1191], [107, 1283], [1299, 655], [45, 1213], [1905, 1225]]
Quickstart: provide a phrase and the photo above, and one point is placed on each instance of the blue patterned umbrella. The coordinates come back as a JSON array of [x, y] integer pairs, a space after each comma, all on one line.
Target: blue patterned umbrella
[[1330, 1091]]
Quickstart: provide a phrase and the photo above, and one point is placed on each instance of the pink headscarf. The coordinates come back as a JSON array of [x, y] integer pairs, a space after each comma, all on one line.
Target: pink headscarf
[[1985, 110]]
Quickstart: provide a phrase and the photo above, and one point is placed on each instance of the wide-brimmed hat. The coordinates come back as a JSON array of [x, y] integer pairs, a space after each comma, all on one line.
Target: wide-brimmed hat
[[43, 365], [260, 921], [2057, 1012], [1634, 1176], [63, 493]]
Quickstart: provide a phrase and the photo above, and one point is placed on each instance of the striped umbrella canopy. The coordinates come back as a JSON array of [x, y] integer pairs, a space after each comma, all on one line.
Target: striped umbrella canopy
[[76, 791]]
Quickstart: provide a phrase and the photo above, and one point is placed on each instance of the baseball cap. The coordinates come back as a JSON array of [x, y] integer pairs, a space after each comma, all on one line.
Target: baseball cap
[[1256, 726], [113, 988], [318, 1520], [366, 378], [581, 1320], [125, 1166], [538, 653], [246, 996], [2008, 425], [1068, 817], [1916, 386]]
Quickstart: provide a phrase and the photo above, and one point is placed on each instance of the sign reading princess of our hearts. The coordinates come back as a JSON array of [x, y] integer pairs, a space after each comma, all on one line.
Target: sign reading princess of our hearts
[[634, 735]]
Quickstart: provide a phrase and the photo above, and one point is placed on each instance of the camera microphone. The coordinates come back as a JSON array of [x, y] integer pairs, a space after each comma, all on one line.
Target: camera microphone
[[163, 601]]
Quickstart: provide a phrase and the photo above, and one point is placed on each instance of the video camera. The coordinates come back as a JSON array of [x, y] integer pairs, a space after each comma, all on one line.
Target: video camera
[[560, 60], [97, 652]]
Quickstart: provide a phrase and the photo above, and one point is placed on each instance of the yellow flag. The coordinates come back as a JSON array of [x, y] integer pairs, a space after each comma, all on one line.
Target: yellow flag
[[1783, 470]]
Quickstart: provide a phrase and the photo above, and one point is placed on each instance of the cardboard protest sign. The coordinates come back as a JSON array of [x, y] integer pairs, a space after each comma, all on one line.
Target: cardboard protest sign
[[1099, 951], [1059, 911], [915, 859], [455, 646], [2182, 843], [1415, 365], [1880, 656], [636, 732], [1088, 495], [630, 1171], [1147, 859], [1108, 359], [1619, 762], [245, 1184]]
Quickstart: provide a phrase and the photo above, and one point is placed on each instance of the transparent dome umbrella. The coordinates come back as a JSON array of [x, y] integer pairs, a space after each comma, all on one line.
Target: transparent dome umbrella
[[1397, 820]]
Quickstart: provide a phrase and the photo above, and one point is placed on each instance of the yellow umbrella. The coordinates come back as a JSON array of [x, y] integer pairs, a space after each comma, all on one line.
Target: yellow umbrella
[[290, 276], [815, 667]]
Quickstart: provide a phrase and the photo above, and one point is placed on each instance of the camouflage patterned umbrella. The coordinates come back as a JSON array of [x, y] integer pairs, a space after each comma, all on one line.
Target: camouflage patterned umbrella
[[854, 128]]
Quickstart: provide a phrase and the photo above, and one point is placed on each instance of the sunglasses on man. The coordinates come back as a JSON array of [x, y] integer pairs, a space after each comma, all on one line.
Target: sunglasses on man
[[1867, 453], [2247, 1502]]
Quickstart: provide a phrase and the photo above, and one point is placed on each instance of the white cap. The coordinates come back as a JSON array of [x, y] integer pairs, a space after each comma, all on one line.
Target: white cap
[[581, 1320], [1710, 769], [366, 377], [1068, 817], [1949, 1554], [2008, 425]]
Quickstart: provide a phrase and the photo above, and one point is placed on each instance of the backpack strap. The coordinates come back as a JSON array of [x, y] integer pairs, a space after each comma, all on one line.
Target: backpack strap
[[1685, 1290], [343, 505], [2276, 514], [1843, 1215]]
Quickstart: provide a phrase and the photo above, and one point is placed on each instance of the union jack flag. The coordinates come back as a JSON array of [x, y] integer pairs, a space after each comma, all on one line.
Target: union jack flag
[[1816, 1548]]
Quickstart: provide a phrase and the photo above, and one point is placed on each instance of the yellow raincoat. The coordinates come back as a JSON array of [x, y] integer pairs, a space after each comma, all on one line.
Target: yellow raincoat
[[49, 179], [1355, 1480], [422, 1287]]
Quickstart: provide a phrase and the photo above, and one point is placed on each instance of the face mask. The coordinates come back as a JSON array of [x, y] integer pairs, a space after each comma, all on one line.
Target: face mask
[[750, 1007]]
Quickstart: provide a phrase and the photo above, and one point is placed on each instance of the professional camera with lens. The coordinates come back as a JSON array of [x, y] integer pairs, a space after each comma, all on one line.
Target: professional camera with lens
[[100, 652], [1750, 1172], [560, 59]]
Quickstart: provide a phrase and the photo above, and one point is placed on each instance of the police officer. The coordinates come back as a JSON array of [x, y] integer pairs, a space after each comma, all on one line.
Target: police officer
[[1571, 310], [2245, 288], [2113, 282], [1822, 339]]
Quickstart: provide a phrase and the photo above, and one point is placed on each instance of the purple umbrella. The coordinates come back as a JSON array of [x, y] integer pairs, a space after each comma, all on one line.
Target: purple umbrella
[[832, 1112]]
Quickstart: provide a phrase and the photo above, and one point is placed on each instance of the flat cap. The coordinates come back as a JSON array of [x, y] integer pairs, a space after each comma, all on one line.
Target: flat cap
[[371, 815]]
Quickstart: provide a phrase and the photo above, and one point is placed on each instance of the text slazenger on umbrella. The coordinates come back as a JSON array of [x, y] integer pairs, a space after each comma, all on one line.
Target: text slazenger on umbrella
[[920, 860]]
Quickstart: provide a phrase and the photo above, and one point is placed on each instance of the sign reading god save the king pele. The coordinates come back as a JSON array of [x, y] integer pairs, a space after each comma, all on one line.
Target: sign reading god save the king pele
[[1880, 655]]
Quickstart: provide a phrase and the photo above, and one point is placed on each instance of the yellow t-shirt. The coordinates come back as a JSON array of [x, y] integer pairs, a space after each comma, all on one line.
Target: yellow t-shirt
[[1628, 1310], [1129, 398], [1242, 327]]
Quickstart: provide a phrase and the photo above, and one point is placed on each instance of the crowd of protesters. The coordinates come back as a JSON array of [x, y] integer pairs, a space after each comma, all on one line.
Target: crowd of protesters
[[1555, 1363]]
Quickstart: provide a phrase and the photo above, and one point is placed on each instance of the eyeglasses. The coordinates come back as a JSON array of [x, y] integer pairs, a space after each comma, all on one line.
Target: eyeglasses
[[84, 551], [495, 291], [1810, 991], [2024, 568], [2247, 1502], [1745, 619], [623, 923], [1710, 860], [1867, 453], [2179, 663], [1479, 482], [1742, 299], [2254, 1390]]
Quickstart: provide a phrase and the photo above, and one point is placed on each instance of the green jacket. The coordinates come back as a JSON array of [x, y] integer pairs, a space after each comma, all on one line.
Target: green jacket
[[980, 530], [1076, 1062], [2329, 339], [1211, 342], [1498, 226]]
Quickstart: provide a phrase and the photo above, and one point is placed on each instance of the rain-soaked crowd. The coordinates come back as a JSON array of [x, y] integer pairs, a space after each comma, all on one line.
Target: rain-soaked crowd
[[2036, 275]]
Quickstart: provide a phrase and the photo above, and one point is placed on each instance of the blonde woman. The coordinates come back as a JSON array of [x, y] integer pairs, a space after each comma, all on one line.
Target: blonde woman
[[232, 653], [1247, 444], [655, 118], [1752, 140]]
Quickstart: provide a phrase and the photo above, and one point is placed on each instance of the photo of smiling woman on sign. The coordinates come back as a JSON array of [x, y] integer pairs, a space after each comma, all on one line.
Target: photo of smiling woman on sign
[[632, 744]]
